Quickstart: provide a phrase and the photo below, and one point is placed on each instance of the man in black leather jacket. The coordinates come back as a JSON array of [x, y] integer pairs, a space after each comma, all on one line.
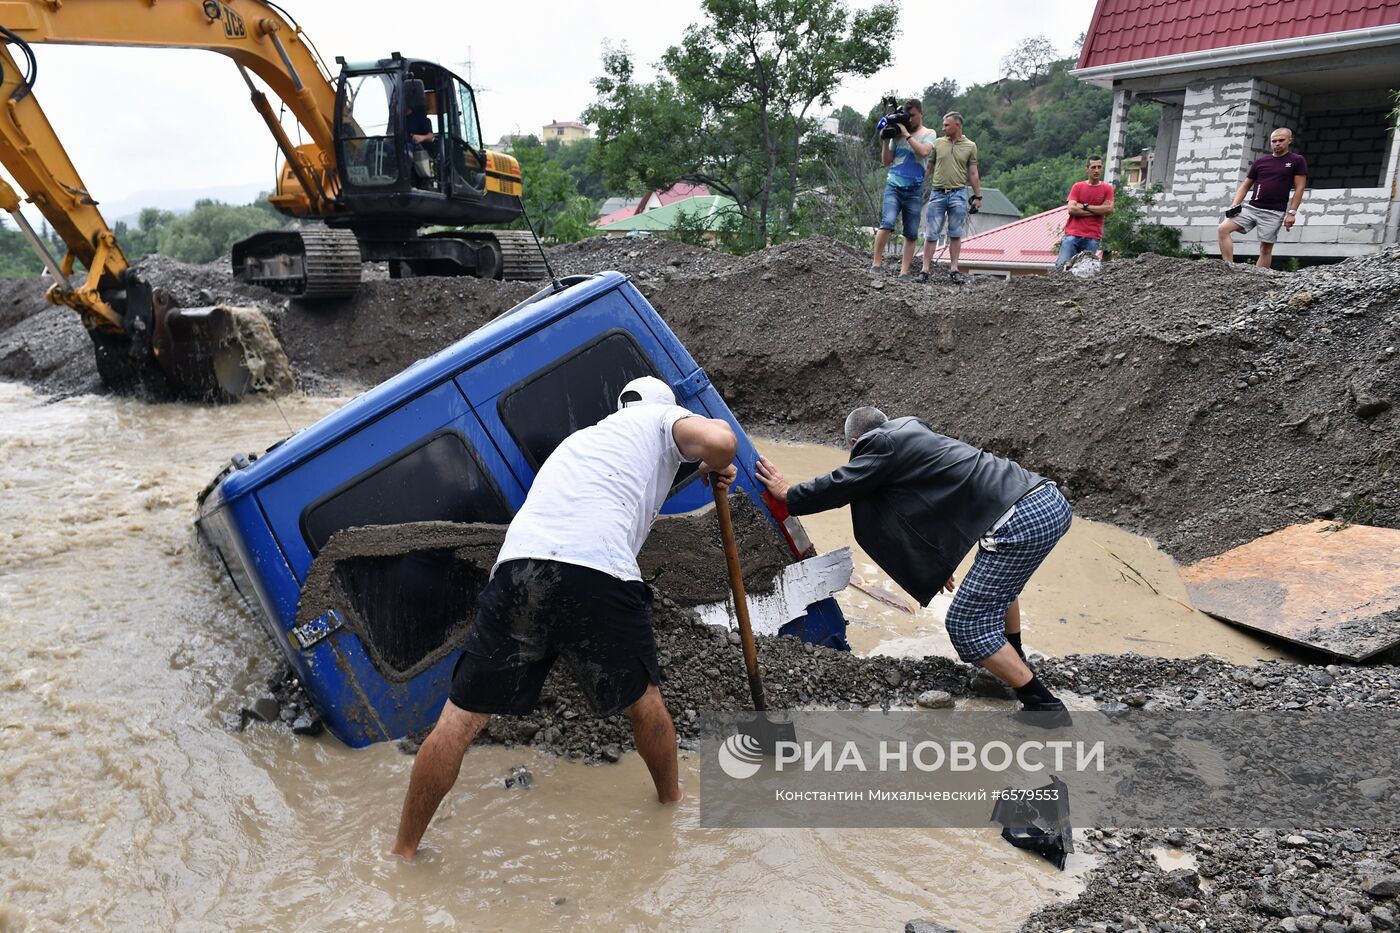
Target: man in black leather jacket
[[919, 502]]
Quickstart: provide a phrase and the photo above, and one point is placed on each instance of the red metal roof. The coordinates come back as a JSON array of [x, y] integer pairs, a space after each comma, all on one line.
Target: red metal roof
[[1132, 30], [1033, 239]]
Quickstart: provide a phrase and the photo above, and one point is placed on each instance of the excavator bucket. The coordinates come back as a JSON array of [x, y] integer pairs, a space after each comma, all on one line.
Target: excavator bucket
[[217, 353], [221, 353]]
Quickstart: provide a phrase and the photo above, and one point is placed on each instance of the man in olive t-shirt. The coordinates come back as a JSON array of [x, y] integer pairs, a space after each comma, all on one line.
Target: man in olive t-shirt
[[954, 168]]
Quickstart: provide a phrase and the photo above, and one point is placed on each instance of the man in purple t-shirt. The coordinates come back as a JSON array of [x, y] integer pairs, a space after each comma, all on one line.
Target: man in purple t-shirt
[[1273, 178]]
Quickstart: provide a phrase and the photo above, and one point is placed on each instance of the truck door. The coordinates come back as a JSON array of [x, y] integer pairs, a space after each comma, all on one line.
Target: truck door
[[566, 376]]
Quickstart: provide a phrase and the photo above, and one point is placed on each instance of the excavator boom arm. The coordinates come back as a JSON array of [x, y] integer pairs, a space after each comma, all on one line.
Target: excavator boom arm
[[254, 34]]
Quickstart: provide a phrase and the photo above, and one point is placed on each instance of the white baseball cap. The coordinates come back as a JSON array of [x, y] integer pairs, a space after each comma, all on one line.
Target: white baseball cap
[[646, 390]]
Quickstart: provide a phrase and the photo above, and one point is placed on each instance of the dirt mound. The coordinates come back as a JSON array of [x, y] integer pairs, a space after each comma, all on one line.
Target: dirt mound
[[388, 325], [643, 257], [1198, 402]]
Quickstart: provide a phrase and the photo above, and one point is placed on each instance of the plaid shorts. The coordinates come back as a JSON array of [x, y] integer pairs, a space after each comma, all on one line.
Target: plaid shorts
[[1004, 563]]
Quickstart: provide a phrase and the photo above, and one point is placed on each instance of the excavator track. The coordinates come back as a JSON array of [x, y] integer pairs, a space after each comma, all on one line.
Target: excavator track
[[520, 256], [314, 263], [331, 263]]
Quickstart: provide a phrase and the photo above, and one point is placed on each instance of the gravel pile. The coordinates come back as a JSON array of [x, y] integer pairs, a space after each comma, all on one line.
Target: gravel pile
[[1334, 881]]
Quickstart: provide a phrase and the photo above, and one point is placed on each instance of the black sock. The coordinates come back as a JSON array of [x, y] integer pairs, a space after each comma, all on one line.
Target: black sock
[[1014, 639], [1034, 692]]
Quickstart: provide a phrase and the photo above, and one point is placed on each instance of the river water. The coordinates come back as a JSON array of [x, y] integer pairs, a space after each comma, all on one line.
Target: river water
[[131, 801]]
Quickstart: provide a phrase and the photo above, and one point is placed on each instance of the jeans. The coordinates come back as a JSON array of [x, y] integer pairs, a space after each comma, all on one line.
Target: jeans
[[901, 201], [1071, 246], [949, 206]]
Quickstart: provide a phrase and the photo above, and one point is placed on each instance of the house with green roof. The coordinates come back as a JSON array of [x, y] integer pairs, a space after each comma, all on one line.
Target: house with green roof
[[711, 210]]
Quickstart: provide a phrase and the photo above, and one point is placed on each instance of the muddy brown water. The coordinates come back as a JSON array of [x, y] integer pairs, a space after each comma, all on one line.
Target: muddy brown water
[[129, 802]]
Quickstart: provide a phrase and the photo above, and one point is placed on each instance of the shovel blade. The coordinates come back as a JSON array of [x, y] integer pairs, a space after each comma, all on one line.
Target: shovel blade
[[767, 730]]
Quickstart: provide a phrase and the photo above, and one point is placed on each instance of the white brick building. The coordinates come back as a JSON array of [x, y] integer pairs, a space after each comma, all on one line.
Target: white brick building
[[1226, 73]]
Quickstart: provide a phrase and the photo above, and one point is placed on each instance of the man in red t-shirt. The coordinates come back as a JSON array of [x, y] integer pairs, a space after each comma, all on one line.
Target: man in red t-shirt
[[1274, 177], [1089, 203]]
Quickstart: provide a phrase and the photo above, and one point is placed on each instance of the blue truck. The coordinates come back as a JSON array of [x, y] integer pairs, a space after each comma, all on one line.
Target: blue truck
[[456, 437]]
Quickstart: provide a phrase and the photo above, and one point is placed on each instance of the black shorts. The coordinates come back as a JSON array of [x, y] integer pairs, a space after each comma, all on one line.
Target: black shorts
[[535, 611]]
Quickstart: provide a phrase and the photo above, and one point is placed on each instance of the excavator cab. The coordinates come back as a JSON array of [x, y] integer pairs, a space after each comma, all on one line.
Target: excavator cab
[[380, 108], [394, 181], [408, 155]]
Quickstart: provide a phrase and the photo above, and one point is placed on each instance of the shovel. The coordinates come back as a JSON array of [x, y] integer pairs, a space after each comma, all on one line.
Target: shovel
[[764, 730]]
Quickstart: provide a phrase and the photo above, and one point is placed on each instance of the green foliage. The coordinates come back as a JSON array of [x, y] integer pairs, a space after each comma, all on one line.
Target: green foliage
[[733, 104], [552, 200], [576, 158], [1127, 233], [1027, 137], [202, 235], [1039, 186], [939, 99], [695, 229], [849, 120], [17, 259]]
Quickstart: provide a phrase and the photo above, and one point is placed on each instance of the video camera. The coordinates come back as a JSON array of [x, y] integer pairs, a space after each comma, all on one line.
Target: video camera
[[895, 117]]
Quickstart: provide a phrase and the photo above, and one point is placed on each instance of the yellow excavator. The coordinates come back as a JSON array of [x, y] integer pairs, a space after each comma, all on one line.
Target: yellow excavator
[[395, 146]]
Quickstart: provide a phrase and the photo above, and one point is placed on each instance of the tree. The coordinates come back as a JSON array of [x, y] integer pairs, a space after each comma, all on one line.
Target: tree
[[552, 202], [17, 258], [938, 100], [731, 107], [202, 235], [849, 120], [1126, 232], [1029, 60]]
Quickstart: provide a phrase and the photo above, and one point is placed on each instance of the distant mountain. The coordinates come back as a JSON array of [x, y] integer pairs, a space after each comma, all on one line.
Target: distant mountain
[[178, 200]]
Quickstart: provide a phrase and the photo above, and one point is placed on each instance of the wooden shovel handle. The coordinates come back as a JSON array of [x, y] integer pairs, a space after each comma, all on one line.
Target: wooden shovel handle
[[741, 602]]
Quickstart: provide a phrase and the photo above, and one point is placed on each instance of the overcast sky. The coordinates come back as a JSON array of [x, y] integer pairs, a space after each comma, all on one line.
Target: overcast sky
[[140, 120]]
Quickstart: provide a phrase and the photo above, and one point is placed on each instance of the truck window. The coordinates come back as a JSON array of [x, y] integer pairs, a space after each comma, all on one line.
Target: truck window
[[408, 606], [437, 480], [367, 132], [574, 392]]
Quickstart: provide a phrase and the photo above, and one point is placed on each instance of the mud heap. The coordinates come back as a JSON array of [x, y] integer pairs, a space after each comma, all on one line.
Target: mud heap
[[1200, 403]]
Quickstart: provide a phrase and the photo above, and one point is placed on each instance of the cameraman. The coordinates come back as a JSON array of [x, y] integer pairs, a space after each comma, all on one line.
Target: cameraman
[[906, 156]]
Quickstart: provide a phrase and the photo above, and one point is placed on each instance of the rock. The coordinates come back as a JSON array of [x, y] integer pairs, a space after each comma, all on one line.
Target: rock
[[520, 775], [1296, 842], [1376, 788], [307, 724], [264, 709], [894, 678], [984, 684], [935, 699], [1382, 919], [611, 753], [1321, 678], [734, 638], [1135, 699], [1385, 886], [1181, 883], [927, 926], [1368, 406]]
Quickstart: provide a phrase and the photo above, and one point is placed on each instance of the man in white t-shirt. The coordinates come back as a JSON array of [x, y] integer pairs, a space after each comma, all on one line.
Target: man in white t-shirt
[[566, 584]]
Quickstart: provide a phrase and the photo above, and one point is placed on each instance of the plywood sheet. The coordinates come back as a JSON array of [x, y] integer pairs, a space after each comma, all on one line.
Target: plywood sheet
[[1336, 590]]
